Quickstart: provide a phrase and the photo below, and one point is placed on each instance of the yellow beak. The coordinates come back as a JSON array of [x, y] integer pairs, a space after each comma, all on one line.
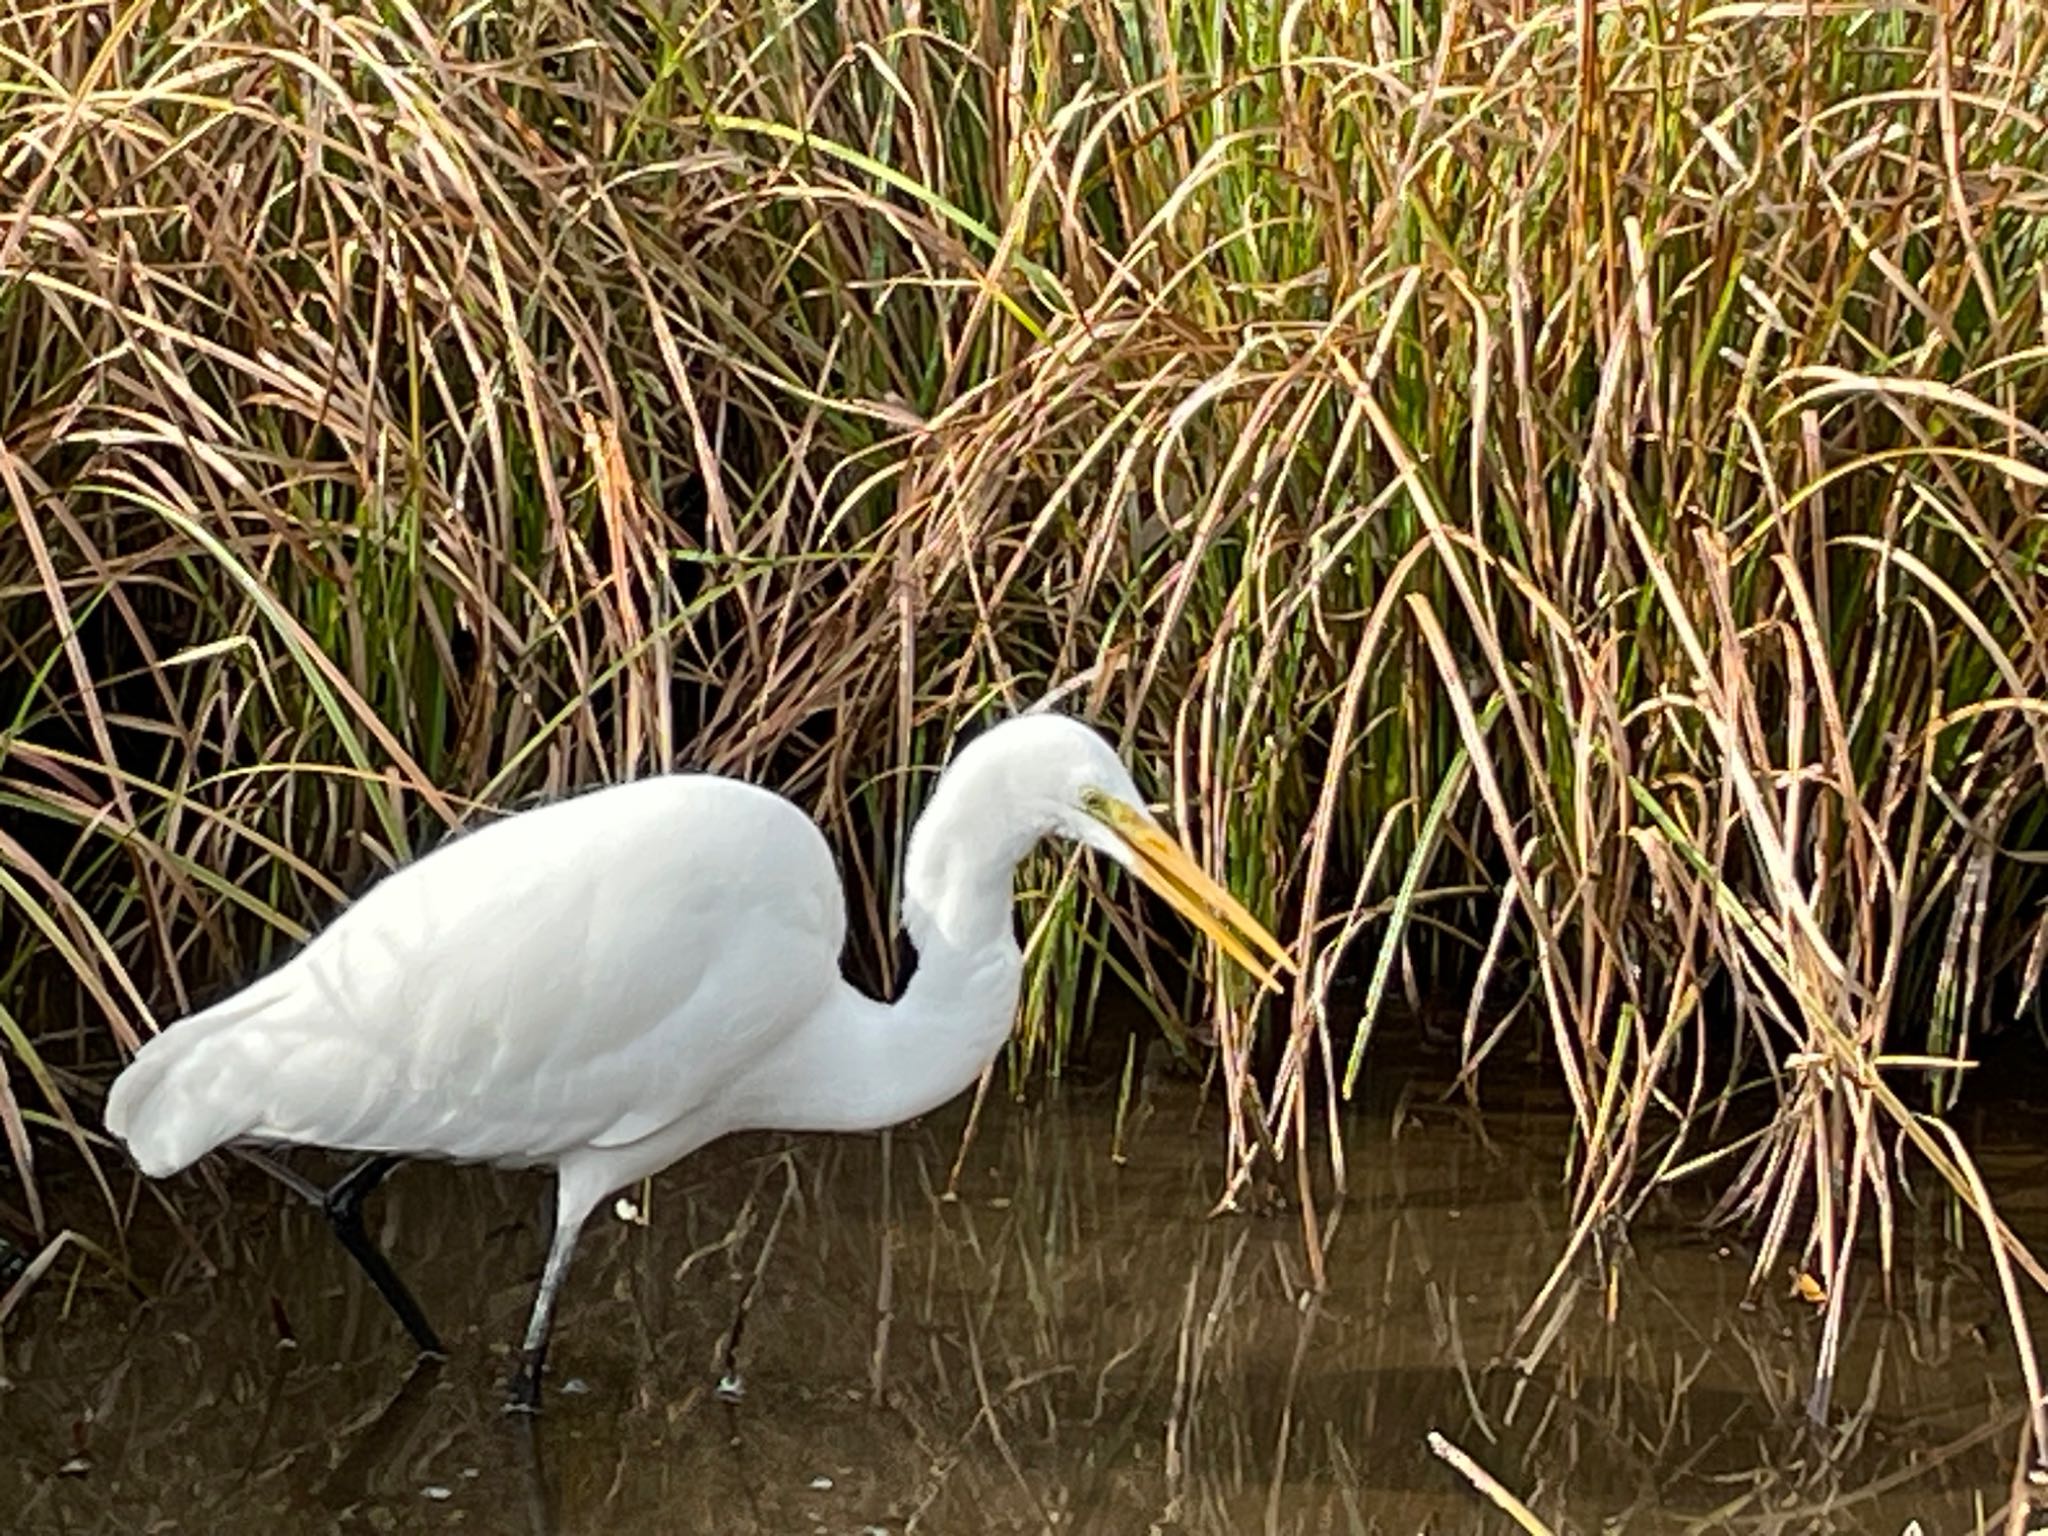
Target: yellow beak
[[1171, 870]]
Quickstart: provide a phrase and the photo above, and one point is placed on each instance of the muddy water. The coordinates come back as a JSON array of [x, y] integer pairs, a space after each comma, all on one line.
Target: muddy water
[[1068, 1345]]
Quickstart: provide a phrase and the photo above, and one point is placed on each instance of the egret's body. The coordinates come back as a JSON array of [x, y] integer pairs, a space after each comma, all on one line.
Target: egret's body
[[608, 983]]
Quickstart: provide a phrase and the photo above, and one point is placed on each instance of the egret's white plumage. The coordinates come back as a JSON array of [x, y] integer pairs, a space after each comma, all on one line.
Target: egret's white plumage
[[610, 982], [526, 992]]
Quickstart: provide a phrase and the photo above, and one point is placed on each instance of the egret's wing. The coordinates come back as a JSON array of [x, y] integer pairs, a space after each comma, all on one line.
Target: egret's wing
[[579, 975]]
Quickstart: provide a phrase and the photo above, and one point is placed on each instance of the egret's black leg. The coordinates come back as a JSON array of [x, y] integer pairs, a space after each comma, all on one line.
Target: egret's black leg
[[541, 1517], [533, 1354], [344, 1206]]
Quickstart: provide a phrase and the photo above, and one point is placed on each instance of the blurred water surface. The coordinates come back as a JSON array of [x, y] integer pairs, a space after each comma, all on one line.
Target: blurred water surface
[[1069, 1343]]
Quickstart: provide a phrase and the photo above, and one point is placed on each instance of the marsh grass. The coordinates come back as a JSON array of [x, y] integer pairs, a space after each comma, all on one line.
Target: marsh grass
[[1554, 491]]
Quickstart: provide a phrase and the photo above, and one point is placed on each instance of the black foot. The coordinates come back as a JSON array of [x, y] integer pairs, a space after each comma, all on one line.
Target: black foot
[[523, 1395], [344, 1205]]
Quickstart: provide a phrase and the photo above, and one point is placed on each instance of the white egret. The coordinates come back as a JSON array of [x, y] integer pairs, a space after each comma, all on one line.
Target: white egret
[[607, 983]]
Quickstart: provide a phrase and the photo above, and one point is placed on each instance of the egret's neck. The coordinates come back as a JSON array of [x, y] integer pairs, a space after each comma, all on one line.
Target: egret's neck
[[862, 1064], [959, 880]]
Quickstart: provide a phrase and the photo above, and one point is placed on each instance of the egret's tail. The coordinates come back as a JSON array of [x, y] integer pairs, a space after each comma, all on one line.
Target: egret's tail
[[192, 1088]]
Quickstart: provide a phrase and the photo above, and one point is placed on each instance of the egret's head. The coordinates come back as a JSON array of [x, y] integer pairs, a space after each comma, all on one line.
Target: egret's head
[[1053, 774]]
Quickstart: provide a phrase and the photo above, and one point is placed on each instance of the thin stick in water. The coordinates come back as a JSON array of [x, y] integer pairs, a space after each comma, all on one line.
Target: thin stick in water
[[1484, 1481]]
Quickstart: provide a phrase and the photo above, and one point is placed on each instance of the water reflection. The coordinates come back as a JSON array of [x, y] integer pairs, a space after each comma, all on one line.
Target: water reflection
[[1067, 1345]]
